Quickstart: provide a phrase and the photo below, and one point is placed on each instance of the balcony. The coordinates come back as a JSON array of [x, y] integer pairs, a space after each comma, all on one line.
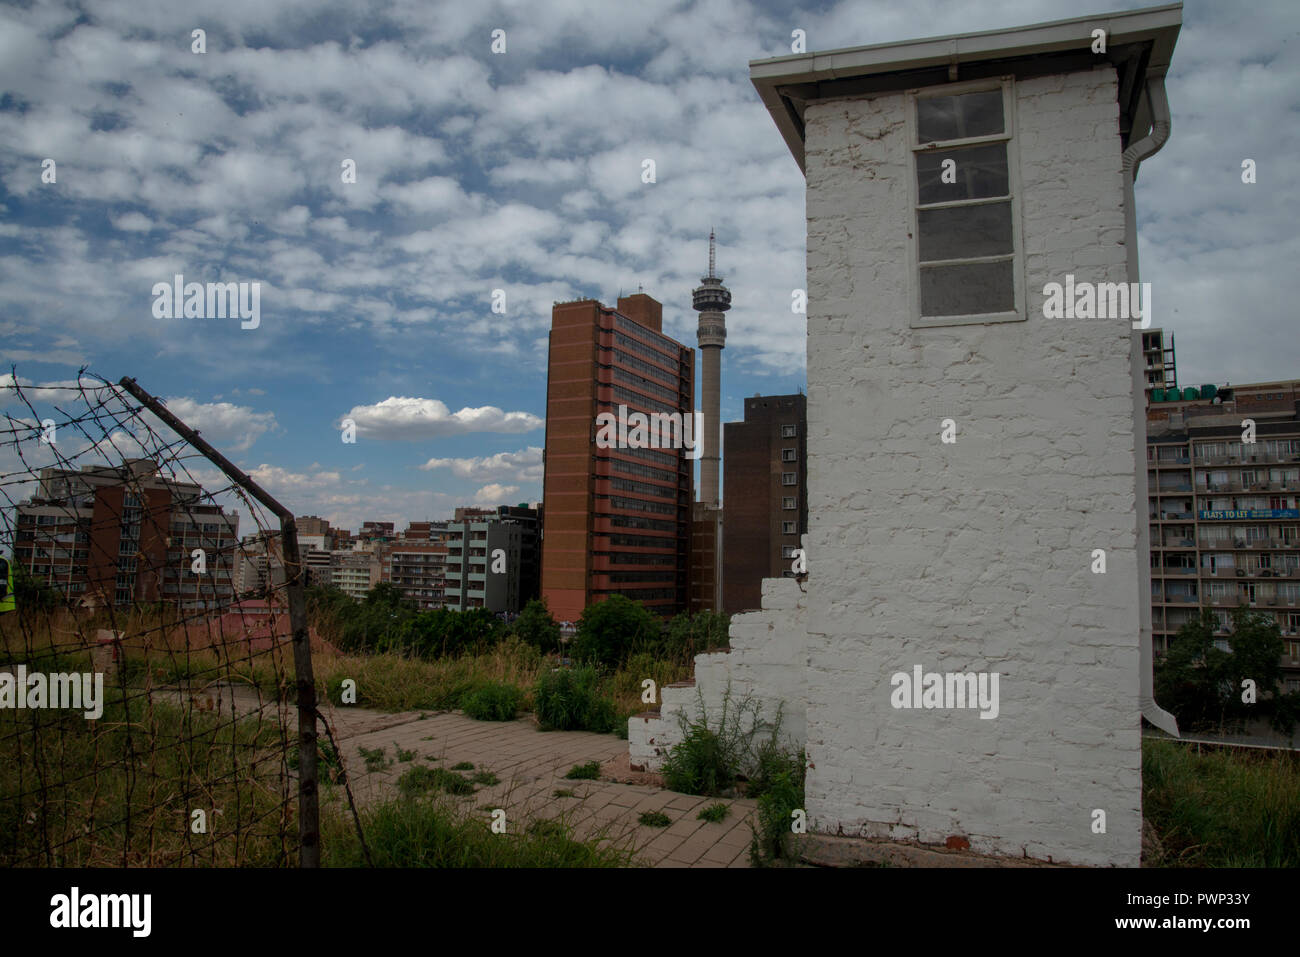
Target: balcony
[[1173, 571]]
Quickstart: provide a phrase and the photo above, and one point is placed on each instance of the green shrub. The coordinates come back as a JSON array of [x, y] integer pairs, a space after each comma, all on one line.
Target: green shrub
[[707, 760], [403, 755], [486, 778], [570, 700], [419, 779], [609, 630], [374, 758], [654, 819], [773, 837], [584, 772], [406, 833], [463, 766], [772, 761], [493, 702], [713, 813], [562, 793]]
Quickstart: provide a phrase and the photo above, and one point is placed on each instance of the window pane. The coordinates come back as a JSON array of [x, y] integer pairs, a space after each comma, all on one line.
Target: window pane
[[954, 117], [967, 290], [981, 171], [964, 232]]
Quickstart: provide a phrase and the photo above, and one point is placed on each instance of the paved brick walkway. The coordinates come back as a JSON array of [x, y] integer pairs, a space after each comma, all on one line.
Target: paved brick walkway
[[531, 765]]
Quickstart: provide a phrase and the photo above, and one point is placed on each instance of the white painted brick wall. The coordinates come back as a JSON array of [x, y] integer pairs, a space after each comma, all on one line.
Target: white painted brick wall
[[767, 661], [974, 556]]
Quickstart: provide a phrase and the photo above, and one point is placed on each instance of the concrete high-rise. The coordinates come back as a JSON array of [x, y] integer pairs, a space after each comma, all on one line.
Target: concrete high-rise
[[618, 518], [766, 495]]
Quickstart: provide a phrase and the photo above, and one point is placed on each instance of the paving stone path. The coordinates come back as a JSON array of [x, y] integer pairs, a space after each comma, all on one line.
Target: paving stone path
[[531, 765]]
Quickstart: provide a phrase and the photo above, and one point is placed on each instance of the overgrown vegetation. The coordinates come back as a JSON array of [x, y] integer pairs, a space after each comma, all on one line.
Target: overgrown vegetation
[[780, 795], [420, 779], [494, 701], [1220, 807], [584, 772], [374, 759], [414, 832], [120, 791], [716, 759], [710, 760], [714, 813], [654, 819], [570, 699]]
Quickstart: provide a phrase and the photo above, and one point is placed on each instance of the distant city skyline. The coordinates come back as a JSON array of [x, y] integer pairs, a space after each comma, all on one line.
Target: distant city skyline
[[381, 174]]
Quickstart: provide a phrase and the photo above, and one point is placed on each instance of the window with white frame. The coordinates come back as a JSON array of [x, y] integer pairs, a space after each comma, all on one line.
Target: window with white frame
[[788, 528], [788, 455], [966, 263], [789, 502], [789, 431], [789, 478]]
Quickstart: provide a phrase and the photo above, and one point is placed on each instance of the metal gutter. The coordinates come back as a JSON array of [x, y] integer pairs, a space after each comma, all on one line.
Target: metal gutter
[[1158, 103]]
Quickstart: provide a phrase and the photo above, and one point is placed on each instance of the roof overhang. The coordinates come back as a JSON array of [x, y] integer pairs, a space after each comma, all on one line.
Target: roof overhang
[[1139, 44]]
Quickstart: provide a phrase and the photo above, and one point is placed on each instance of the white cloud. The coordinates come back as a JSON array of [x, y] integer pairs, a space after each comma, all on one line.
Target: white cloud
[[522, 466], [407, 418], [495, 494], [133, 222], [229, 427]]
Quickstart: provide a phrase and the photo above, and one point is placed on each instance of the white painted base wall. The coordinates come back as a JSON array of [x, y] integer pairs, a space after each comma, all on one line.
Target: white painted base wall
[[767, 661]]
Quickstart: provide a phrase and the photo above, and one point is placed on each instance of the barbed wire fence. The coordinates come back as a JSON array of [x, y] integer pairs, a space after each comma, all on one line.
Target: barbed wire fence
[[121, 528]]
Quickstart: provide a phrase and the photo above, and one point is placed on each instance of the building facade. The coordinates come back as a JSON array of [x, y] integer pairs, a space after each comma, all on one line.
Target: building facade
[[1225, 512], [117, 536], [766, 495], [418, 568], [483, 566], [967, 450], [1158, 361], [618, 518]]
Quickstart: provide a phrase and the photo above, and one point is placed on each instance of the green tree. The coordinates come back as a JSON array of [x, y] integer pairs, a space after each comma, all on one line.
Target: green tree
[[1201, 683], [690, 635], [31, 594], [608, 630], [536, 626]]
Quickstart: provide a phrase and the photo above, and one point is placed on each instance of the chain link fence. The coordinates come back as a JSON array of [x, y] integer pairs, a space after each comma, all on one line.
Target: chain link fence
[[157, 705]]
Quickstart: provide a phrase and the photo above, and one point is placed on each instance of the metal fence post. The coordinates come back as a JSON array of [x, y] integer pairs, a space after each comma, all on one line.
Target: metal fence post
[[295, 588]]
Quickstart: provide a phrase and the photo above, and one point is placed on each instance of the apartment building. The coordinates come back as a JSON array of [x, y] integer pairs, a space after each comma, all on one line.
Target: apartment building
[[355, 572], [418, 568], [618, 519], [1225, 514], [765, 495], [529, 520], [106, 535], [1158, 354], [483, 565]]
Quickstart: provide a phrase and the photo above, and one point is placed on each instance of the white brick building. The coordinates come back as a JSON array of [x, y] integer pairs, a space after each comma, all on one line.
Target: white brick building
[[925, 304]]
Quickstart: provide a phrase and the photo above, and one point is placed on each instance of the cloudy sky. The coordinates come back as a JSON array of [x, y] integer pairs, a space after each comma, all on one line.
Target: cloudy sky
[[520, 171]]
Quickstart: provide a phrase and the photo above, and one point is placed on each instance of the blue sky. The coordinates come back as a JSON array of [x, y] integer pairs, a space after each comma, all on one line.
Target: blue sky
[[518, 171]]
